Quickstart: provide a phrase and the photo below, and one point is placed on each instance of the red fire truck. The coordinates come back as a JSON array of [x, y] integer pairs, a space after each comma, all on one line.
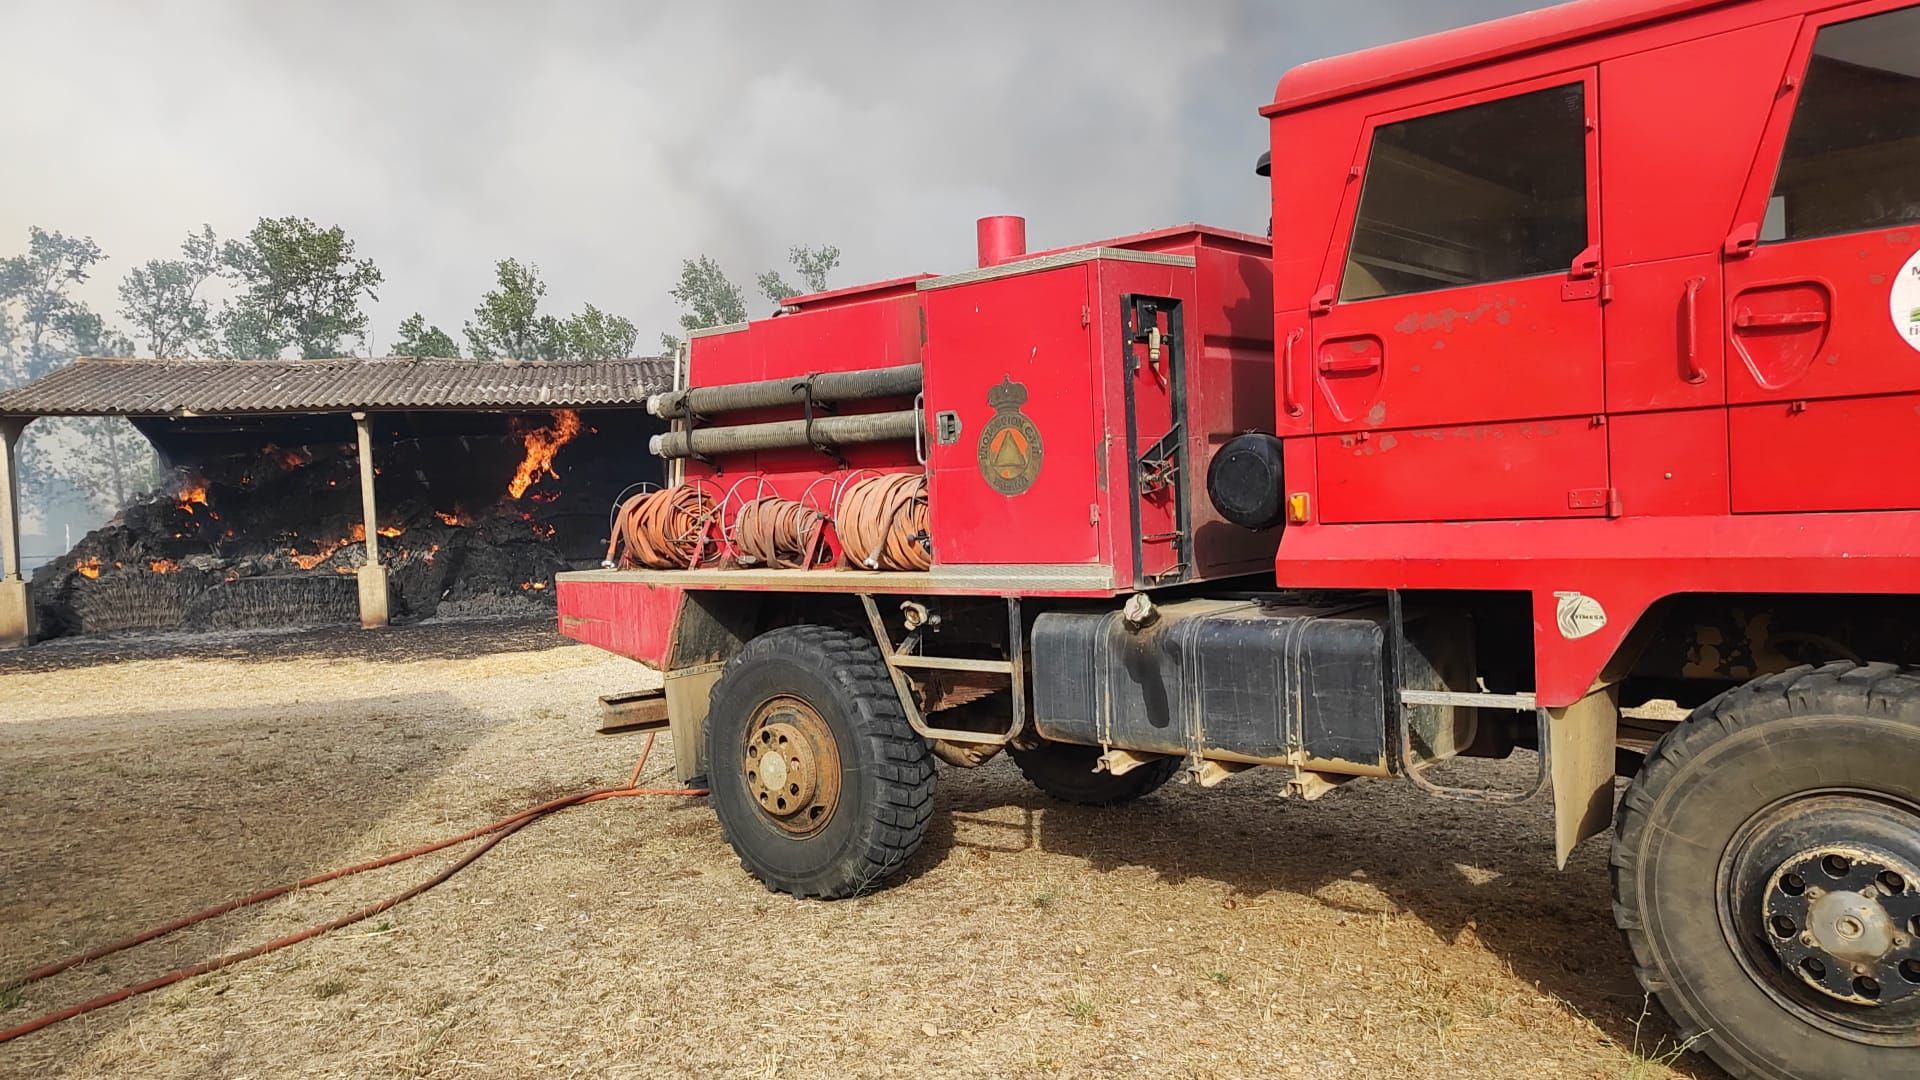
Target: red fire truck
[[1581, 371]]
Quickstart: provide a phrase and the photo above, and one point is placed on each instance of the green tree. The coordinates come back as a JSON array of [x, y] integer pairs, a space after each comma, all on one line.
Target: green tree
[[36, 296], [709, 299], [813, 264], [596, 335], [162, 300], [419, 339], [508, 325], [300, 287], [100, 461], [102, 458]]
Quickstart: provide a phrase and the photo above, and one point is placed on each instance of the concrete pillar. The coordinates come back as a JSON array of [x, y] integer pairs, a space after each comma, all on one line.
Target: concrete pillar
[[373, 576], [16, 603]]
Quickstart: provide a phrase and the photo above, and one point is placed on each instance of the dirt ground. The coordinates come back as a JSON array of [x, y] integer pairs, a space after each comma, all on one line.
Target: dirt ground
[[1227, 933]]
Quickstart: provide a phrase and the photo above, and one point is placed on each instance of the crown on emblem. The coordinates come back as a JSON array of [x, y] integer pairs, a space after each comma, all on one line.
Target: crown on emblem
[[1007, 395]]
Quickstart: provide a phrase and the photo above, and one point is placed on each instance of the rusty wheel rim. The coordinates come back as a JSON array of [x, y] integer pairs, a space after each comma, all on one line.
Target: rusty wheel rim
[[791, 765]]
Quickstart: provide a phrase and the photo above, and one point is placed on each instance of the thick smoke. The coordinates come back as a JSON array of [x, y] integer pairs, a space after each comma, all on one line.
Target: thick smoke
[[608, 140]]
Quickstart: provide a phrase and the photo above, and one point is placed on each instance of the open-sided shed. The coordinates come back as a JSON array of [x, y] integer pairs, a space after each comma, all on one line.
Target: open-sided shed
[[191, 408]]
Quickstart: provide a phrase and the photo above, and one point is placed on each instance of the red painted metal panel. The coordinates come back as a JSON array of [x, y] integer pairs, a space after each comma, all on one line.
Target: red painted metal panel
[[1852, 454], [1470, 47], [1624, 563], [1665, 339], [1472, 354], [631, 619], [1678, 128], [1034, 330], [1670, 462], [1533, 468], [1809, 319]]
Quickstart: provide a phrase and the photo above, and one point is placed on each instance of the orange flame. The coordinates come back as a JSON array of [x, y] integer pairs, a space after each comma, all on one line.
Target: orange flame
[[455, 518], [322, 554], [192, 495], [88, 567], [162, 566], [542, 443]]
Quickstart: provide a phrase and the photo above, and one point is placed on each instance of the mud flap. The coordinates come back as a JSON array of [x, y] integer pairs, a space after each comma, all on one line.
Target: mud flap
[[1582, 738], [687, 691]]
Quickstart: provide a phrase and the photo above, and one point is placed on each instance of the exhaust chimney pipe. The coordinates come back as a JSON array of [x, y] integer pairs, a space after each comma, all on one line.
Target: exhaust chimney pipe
[[1002, 238]]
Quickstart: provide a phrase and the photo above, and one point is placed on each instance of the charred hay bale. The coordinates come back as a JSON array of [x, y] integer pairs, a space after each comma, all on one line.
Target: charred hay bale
[[118, 601], [276, 600]]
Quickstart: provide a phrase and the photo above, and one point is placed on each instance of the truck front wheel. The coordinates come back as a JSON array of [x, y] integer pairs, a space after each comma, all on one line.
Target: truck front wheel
[[1766, 874], [820, 785]]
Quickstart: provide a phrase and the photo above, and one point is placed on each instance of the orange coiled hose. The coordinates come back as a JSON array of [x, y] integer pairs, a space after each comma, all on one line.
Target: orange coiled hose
[[882, 522], [666, 529], [780, 533]]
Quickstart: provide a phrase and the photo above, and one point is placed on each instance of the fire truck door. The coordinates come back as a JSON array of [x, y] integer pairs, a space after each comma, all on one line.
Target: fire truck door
[[1822, 276], [1457, 341]]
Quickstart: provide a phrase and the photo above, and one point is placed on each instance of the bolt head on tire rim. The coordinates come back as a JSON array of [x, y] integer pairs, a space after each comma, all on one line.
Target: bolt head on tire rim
[[791, 764]]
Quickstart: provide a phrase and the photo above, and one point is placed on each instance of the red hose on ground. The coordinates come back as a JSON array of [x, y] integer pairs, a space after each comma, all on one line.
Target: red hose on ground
[[500, 830]]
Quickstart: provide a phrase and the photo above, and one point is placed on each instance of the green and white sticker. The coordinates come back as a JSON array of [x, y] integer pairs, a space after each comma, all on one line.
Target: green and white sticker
[[1906, 302]]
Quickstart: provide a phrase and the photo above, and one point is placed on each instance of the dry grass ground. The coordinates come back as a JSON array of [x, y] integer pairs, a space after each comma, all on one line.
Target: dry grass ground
[[1198, 934]]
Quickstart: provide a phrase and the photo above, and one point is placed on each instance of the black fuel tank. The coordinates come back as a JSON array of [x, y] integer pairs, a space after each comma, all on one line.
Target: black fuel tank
[[1270, 681]]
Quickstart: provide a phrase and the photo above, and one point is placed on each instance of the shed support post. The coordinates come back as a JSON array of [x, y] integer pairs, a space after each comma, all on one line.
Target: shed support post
[[16, 602], [372, 576]]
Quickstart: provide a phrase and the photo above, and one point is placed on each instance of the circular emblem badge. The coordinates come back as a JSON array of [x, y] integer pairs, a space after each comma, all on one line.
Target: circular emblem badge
[[1009, 449], [1578, 615], [1906, 302]]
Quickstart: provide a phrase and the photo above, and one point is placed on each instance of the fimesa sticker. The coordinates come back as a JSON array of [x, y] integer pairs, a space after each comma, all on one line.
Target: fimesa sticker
[[1906, 302], [1009, 444], [1578, 615]]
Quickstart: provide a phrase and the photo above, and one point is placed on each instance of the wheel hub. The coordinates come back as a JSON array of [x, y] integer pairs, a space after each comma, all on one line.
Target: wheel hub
[[1846, 921], [792, 765]]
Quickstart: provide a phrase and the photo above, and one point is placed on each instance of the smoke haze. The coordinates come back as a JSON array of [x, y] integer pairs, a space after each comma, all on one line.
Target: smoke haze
[[607, 141]]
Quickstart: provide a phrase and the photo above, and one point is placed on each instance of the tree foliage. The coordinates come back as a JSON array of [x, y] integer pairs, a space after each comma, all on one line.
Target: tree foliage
[[36, 297], [299, 287], [596, 335], [508, 324], [813, 265], [416, 338], [707, 297], [162, 301]]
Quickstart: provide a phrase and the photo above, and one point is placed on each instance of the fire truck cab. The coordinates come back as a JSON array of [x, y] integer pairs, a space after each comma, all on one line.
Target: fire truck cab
[[1569, 409]]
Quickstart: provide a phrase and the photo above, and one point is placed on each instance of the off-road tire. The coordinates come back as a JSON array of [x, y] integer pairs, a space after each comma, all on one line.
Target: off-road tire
[[1843, 725], [1065, 771], [886, 781]]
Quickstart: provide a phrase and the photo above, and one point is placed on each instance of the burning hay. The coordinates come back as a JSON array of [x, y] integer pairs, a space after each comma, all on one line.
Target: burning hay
[[469, 525]]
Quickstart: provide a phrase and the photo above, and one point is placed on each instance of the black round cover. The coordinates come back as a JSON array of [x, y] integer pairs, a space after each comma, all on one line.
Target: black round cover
[[1244, 481]]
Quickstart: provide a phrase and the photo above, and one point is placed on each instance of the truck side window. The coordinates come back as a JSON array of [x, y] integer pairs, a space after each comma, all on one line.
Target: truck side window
[[1852, 160], [1484, 193]]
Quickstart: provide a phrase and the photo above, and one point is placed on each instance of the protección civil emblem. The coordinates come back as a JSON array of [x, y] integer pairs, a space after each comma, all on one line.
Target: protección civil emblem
[[1009, 444]]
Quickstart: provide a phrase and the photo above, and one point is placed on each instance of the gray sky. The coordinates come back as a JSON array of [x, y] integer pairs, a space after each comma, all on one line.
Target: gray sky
[[606, 141]]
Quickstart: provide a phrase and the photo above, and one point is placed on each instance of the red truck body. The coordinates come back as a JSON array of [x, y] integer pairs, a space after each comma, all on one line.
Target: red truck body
[[1643, 426], [1579, 378]]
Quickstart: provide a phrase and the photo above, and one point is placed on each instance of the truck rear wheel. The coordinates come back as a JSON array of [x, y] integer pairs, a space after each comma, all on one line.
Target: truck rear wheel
[[1065, 771], [1766, 874], [820, 785]]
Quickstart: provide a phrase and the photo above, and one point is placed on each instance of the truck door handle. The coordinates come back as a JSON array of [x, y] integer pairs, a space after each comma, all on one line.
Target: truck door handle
[[1348, 365], [1585, 265], [1748, 320], [1287, 396], [1694, 373]]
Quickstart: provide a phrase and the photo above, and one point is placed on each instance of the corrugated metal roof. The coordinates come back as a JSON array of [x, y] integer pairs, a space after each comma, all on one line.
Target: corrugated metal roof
[[97, 386]]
